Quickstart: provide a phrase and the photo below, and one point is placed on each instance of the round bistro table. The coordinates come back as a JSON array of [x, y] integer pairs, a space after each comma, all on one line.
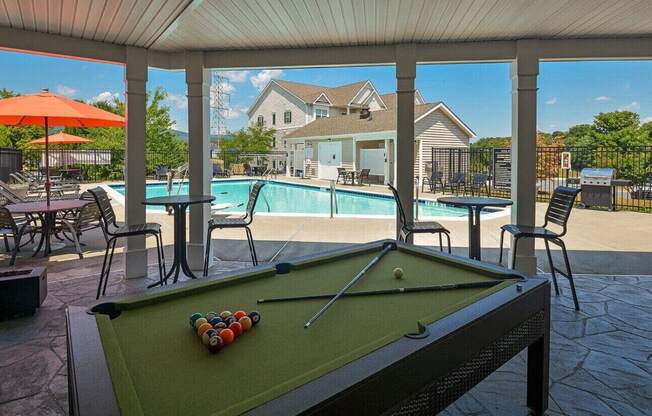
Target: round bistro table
[[474, 205], [179, 204], [48, 215]]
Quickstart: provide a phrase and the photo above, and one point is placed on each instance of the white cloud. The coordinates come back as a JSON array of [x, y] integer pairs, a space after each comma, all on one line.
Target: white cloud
[[261, 79], [230, 114], [235, 76], [104, 96], [647, 120], [634, 105], [65, 90], [178, 101], [602, 98], [552, 101], [227, 87]]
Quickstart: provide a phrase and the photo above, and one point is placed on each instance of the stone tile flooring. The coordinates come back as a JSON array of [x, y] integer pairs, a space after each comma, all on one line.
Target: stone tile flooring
[[601, 357]]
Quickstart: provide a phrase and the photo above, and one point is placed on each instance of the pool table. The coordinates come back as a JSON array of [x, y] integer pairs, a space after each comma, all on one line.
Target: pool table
[[401, 353]]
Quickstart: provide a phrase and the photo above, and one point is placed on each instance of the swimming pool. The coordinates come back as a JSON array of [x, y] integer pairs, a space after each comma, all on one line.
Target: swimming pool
[[287, 198]]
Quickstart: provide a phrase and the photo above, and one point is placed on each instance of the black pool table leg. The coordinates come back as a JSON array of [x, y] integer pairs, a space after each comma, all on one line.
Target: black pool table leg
[[538, 368]]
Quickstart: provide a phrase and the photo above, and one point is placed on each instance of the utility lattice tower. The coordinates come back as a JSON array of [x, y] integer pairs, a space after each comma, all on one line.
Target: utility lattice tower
[[220, 104]]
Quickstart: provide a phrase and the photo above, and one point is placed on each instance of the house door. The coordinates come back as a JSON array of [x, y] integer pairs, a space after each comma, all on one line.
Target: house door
[[330, 158]]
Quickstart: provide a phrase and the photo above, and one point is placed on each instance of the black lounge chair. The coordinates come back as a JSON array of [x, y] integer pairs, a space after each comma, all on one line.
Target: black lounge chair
[[161, 172], [457, 181], [242, 222], [113, 231], [419, 227], [436, 178], [559, 209]]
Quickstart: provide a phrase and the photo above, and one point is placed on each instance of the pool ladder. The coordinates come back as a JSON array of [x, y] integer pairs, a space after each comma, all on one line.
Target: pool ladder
[[334, 209]]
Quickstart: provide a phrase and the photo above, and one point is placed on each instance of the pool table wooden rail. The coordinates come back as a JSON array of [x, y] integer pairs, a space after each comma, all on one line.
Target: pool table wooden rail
[[407, 376]]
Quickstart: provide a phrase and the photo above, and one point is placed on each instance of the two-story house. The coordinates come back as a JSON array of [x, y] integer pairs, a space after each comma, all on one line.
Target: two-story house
[[351, 126]]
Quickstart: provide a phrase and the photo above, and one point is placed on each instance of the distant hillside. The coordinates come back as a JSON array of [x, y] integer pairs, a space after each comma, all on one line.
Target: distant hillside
[[183, 135]]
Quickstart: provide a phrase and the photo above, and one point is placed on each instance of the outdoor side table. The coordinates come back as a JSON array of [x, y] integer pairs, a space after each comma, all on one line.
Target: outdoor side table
[[47, 214], [474, 205], [179, 204]]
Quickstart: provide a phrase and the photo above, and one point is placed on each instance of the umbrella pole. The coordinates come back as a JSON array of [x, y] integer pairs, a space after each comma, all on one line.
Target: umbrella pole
[[47, 164]]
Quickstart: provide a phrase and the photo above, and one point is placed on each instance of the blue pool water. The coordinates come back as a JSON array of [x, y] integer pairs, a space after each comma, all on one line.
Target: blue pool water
[[281, 197]]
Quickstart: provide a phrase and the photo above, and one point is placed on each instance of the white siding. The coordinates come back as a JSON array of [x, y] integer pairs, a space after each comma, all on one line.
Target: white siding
[[277, 100]]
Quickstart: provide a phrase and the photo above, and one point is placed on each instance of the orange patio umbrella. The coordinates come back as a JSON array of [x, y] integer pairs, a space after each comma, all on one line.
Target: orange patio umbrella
[[47, 109], [61, 139]]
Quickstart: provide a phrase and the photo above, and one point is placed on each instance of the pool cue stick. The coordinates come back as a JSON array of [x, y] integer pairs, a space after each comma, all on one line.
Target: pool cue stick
[[357, 277], [397, 290]]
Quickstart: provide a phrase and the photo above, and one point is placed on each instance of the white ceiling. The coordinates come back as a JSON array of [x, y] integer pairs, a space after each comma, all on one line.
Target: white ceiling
[[174, 25]]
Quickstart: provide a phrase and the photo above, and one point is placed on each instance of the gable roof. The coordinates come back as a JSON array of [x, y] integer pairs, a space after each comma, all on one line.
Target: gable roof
[[390, 99], [308, 93], [382, 120]]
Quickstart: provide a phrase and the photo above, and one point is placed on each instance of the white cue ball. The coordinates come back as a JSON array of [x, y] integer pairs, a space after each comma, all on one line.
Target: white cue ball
[[398, 273]]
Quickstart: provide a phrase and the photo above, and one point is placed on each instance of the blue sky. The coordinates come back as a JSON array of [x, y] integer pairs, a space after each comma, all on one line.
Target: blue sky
[[569, 92]]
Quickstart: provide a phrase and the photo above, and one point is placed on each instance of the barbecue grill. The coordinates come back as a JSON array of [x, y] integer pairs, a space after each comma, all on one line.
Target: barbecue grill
[[599, 187]]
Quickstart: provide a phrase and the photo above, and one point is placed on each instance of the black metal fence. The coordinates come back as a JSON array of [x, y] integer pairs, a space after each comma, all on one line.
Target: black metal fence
[[632, 164], [11, 160]]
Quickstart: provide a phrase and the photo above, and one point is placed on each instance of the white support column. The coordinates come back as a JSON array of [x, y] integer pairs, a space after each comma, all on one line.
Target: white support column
[[135, 254], [198, 84], [524, 72], [406, 69], [355, 161]]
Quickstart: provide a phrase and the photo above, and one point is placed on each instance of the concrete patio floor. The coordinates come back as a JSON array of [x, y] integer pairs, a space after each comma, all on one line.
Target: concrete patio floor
[[600, 357]]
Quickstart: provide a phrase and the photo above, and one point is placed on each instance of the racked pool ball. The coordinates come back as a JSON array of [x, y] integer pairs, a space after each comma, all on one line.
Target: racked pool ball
[[203, 328], [215, 320], [246, 323], [236, 328], [220, 325], [227, 336], [255, 317], [229, 320], [208, 335], [200, 321], [193, 318], [225, 314], [398, 273], [239, 314], [210, 315], [215, 344]]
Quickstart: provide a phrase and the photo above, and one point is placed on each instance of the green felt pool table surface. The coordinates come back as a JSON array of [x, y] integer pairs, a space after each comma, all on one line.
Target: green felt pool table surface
[[159, 365]]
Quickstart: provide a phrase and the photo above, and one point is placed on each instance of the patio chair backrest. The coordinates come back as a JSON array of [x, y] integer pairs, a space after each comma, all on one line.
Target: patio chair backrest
[[104, 205], [479, 178], [253, 198], [399, 206], [560, 206], [7, 221], [436, 176], [364, 173], [458, 177], [88, 214]]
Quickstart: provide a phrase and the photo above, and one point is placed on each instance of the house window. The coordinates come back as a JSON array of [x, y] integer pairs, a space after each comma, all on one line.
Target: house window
[[287, 117], [274, 142], [273, 119], [261, 121], [321, 113]]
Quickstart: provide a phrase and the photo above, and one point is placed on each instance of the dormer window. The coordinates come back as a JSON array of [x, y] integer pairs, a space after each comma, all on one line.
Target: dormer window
[[287, 117], [321, 112], [261, 121]]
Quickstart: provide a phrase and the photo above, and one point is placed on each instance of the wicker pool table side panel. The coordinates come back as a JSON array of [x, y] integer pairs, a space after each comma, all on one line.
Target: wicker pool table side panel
[[439, 394]]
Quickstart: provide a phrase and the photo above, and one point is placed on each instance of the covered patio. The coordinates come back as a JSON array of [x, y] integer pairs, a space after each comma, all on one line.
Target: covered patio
[[600, 357]]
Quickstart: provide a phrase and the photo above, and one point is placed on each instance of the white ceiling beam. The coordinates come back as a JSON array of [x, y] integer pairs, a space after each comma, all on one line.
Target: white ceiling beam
[[588, 49], [65, 46]]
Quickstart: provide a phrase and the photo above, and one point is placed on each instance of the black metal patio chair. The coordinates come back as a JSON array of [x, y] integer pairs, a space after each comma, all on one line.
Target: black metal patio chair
[[457, 182], [113, 231], [559, 209], [16, 228], [419, 227], [361, 176], [161, 172], [74, 224], [479, 181], [342, 173], [218, 172], [436, 178], [222, 222]]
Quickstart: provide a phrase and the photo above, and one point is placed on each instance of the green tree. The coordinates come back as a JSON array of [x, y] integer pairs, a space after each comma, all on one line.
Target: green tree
[[255, 139]]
